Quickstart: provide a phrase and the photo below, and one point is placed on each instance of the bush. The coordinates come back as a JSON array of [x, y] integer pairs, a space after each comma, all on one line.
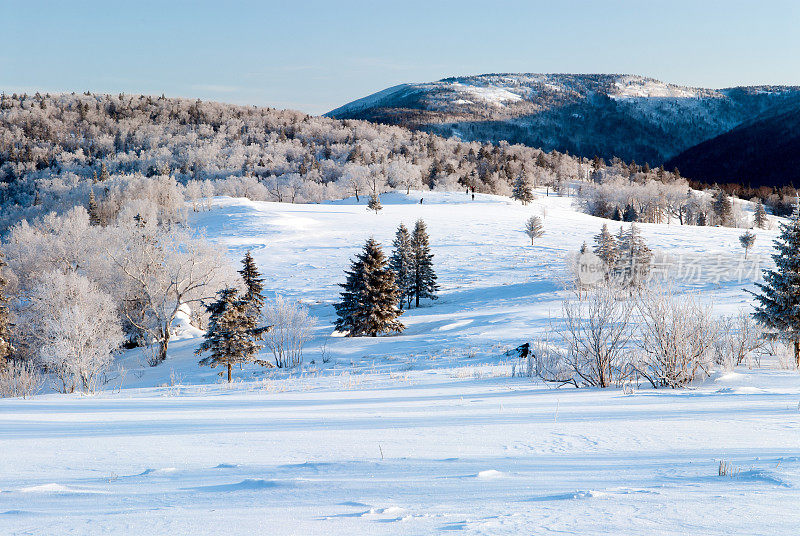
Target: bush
[[19, 378], [291, 328]]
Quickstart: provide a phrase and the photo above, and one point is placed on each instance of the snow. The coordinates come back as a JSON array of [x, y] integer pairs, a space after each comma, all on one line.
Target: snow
[[421, 433]]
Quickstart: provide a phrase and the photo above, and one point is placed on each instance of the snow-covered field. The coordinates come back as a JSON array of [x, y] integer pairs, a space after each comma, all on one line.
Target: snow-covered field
[[422, 433]]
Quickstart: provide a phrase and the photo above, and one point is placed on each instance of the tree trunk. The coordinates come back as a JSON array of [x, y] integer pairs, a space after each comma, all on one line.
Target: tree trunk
[[163, 346], [797, 352], [229, 373]]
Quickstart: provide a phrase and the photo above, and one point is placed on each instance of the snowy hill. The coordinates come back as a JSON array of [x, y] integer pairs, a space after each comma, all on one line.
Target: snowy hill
[[631, 117], [421, 433]]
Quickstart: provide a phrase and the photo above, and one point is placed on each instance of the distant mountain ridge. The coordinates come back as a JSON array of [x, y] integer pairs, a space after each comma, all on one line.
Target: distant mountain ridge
[[631, 117]]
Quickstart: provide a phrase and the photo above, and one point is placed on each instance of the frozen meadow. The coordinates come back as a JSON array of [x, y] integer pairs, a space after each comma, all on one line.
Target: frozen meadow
[[426, 432]]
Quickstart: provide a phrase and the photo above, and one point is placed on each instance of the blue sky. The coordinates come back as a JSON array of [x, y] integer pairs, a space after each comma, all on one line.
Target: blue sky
[[315, 56]]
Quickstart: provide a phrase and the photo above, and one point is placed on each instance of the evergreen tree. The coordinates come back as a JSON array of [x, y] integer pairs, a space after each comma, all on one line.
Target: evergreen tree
[[617, 216], [634, 257], [231, 334], [402, 264], [779, 302], [522, 191], [104, 175], [701, 219], [534, 228], [5, 327], [747, 240], [631, 214], [369, 298], [723, 209], [254, 284], [374, 203], [760, 216], [606, 247], [94, 218], [424, 277]]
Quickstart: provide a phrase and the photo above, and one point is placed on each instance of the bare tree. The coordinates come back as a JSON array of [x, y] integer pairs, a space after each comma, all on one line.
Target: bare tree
[[291, 327], [165, 269], [596, 333], [676, 337], [534, 228]]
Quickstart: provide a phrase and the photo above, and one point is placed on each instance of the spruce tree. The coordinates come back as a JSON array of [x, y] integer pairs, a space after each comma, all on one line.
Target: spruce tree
[[5, 328], [104, 175], [424, 276], [617, 216], [522, 191], [631, 214], [723, 208], [778, 306], [606, 247], [254, 285], [760, 216], [534, 228], [747, 240], [369, 298], [374, 203], [402, 264], [634, 257], [94, 218], [231, 334]]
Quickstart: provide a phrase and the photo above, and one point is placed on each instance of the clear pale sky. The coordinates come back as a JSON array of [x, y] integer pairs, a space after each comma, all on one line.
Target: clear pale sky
[[315, 56]]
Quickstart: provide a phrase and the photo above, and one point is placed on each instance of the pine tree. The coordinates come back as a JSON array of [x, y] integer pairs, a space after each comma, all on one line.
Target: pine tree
[[617, 216], [747, 240], [374, 203], [94, 218], [424, 277], [402, 264], [522, 191], [723, 208], [534, 228], [369, 298], [5, 328], [779, 301], [254, 284], [231, 333], [606, 247], [631, 214], [760, 216], [104, 175], [634, 257]]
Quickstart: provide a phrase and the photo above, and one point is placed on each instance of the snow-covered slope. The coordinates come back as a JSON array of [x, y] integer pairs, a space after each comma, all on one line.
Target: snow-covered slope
[[421, 433], [632, 117]]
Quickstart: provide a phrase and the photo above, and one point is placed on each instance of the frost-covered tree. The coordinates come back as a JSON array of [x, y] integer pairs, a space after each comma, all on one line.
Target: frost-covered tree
[[522, 190], [374, 203], [760, 216], [402, 264], [778, 307], [290, 327], [166, 269], [747, 240], [606, 247], [5, 329], [534, 228], [368, 304], [424, 283], [634, 258], [231, 335], [94, 217], [73, 327]]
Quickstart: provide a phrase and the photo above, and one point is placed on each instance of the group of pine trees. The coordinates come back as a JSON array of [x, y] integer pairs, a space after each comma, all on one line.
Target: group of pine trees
[[233, 326], [626, 256], [377, 288]]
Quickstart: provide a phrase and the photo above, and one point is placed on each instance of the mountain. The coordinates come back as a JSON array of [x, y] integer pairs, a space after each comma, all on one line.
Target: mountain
[[631, 117], [762, 152]]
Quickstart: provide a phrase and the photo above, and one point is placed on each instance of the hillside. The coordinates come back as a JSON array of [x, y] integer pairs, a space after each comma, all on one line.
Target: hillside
[[630, 117], [424, 432], [762, 152]]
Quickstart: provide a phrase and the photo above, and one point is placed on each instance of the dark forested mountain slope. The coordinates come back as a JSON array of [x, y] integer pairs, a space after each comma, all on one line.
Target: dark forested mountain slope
[[761, 152]]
